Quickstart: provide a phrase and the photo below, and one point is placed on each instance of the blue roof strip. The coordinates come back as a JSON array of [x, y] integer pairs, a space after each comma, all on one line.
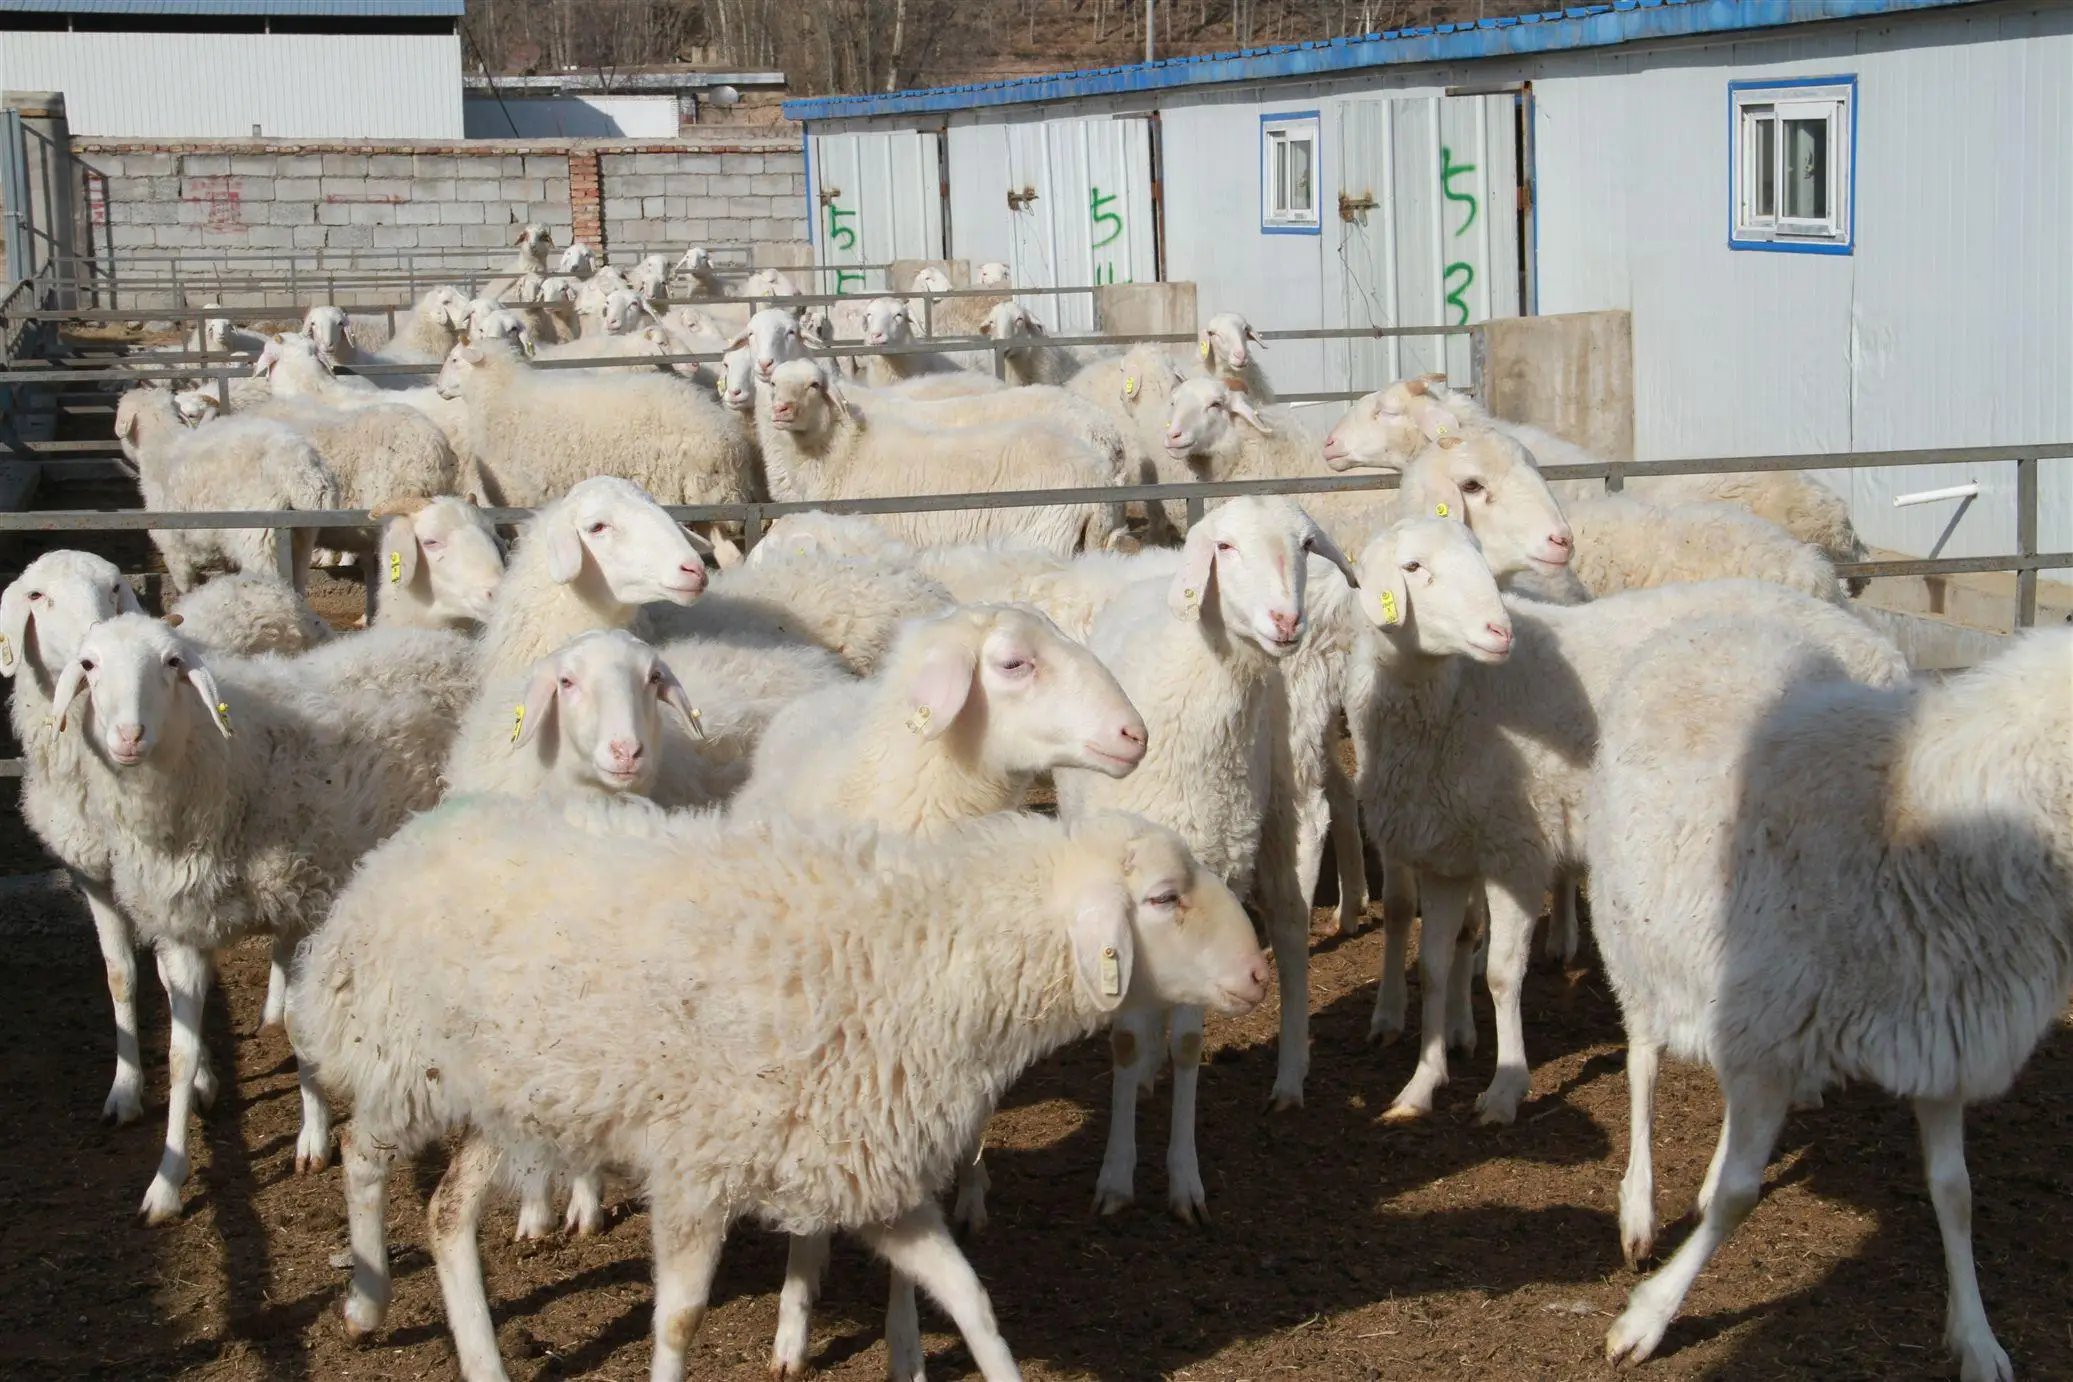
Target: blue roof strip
[[338, 9], [1565, 30]]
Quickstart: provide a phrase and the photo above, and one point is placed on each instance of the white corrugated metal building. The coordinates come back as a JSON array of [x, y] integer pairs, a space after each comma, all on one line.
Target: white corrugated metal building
[[1839, 225], [232, 69]]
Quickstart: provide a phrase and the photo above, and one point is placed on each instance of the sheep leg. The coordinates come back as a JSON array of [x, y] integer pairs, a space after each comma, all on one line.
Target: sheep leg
[[919, 1245], [1134, 1052], [1468, 947], [1755, 1112], [687, 1250], [1399, 911], [313, 1141], [972, 1185], [1184, 1193], [451, 1220], [1558, 948], [1346, 851], [125, 1102], [535, 1204], [186, 972], [277, 984], [1711, 1181], [804, 1263], [1965, 1328], [1445, 902], [1313, 823], [1638, 1186], [905, 1359], [586, 1214], [205, 1082], [367, 1158], [1513, 905]]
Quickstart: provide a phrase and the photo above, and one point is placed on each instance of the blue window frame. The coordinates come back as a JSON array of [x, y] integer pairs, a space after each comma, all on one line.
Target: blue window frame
[[1290, 186], [1792, 165]]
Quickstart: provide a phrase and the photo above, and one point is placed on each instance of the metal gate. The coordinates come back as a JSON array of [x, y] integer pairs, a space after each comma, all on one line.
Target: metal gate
[[877, 197], [1079, 198], [1430, 227]]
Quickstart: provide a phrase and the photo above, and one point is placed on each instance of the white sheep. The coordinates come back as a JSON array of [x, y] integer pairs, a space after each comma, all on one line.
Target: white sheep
[[1038, 361], [1482, 727], [962, 715], [240, 805], [656, 1019], [576, 262], [1627, 544], [534, 240], [954, 316], [1896, 911], [431, 329], [1224, 352], [770, 283], [698, 265], [650, 279], [771, 338], [1136, 389], [438, 563], [243, 615], [1038, 402], [890, 322], [533, 434], [1198, 653], [219, 335], [817, 445], [238, 463]]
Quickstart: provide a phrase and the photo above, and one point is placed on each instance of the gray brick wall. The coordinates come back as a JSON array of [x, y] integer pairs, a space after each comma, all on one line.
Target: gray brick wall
[[163, 198]]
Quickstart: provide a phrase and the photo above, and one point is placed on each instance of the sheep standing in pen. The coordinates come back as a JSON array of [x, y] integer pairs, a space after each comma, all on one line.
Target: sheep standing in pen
[[1198, 654], [890, 322], [954, 316], [438, 563], [1136, 389], [1224, 351], [1034, 360], [1802, 881], [238, 463], [818, 445], [690, 1041], [963, 714], [1483, 725], [239, 805], [246, 615], [1039, 402]]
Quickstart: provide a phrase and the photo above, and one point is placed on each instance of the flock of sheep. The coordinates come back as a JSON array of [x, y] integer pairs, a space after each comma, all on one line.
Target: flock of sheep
[[608, 859]]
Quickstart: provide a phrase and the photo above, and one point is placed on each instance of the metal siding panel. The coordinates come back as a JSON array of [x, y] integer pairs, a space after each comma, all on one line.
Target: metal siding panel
[[878, 198], [981, 226], [218, 86]]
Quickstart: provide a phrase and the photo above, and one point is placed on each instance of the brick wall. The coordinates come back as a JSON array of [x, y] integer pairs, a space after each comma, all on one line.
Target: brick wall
[[732, 189]]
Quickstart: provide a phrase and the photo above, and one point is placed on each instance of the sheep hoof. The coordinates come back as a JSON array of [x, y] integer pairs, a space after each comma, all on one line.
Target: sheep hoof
[[1637, 1251], [970, 1217], [1632, 1339], [533, 1223], [123, 1106], [363, 1315], [1196, 1213], [311, 1159], [1107, 1202], [783, 1369], [1283, 1100], [1403, 1113], [1385, 1033], [161, 1203]]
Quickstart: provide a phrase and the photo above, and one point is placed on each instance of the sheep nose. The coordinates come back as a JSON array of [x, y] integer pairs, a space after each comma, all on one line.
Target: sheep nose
[[1258, 972], [129, 736], [1286, 622], [626, 753], [1561, 542], [693, 572], [1501, 632], [1134, 734]]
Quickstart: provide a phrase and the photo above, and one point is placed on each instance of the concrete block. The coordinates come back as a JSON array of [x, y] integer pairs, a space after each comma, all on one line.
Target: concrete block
[[686, 233], [1571, 374], [128, 190], [334, 213], [270, 237], [281, 213], [524, 191], [373, 214], [434, 166], [350, 238], [205, 165], [155, 213], [474, 189], [309, 237], [460, 213], [776, 230], [395, 237], [351, 189], [423, 189], [192, 213], [130, 236], [654, 208], [299, 166], [748, 208], [486, 237], [621, 209], [297, 189], [389, 166], [177, 237], [791, 209], [256, 189], [647, 185], [151, 165], [253, 165], [1144, 309], [728, 232], [685, 185], [771, 185], [546, 166], [345, 165], [383, 189], [439, 237], [418, 214], [556, 191], [731, 185]]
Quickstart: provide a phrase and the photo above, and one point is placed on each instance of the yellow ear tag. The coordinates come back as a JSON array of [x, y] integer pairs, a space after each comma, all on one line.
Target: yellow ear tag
[[223, 714], [697, 723], [919, 720], [5, 651], [1440, 431], [518, 720], [1129, 386], [1111, 973], [395, 568], [1203, 350], [1440, 509], [1389, 615]]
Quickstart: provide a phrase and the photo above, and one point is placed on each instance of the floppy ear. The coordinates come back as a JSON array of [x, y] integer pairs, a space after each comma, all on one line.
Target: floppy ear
[[940, 688], [738, 339], [564, 551], [1241, 407], [1190, 588], [1385, 600], [70, 682], [14, 629], [1202, 343], [1428, 492], [672, 694], [204, 683], [986, 327], [126, 601], [399, 550], [1434, 419], [1103, 946], [1254, 336], [269, 356], [1317, 544], [529, 716]]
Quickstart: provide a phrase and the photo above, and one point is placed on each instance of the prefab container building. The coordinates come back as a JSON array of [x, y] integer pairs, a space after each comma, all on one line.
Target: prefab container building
[[235, 69], [1838, 225]]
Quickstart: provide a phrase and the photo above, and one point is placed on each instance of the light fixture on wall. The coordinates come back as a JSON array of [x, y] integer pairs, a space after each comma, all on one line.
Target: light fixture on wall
[[723, 95]]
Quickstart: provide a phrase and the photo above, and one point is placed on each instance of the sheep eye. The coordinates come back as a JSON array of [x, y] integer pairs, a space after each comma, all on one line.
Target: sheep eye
[[568, 683], [598, 527], [173, 663], [655, 677], [35, 595], [1410, 566], [1471, 486], [1225, 547], [86, 664], [1020, 664], [1165, 897]]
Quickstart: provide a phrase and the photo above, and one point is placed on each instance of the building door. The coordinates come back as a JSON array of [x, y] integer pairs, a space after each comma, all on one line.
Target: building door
[[1079, 200], [1431, 227], [875, 197]]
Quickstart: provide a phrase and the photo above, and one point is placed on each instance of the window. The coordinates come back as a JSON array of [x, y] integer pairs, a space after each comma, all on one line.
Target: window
[[1288, 174], [1792, 186]]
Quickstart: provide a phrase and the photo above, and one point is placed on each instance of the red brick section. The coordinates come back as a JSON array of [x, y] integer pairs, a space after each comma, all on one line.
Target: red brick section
[[586, 204], [734, 143]]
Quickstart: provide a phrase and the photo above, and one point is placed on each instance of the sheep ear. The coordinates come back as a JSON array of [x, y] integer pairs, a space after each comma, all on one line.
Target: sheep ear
[[940, 689], [399, 551], [1318, 544], [1386, 600], [1254, 336], [1202, 346], [564, 552], [70, 682], [738, 339], [14, 629], [1103, 946], [126, 601], [725, 553], [1190, 588], [1435, 420], [268, 354], [1241, 407], [672, 694], [529, 716], [204, 683]]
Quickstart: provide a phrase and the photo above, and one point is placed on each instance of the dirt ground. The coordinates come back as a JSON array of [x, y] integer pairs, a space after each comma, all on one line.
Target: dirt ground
[[1342, 1248]]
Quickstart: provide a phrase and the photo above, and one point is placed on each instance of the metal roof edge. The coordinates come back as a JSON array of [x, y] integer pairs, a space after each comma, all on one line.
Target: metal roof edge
[[1576, 27], [256, 9]]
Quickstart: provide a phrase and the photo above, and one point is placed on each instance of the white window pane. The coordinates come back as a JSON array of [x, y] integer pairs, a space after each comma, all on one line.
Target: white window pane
[[1280, 202], [1806, 169], [1764, 157], [1299, 175]]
